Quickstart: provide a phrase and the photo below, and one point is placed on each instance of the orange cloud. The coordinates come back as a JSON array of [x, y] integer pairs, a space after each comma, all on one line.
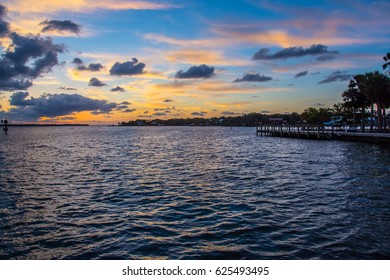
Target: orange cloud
[[284, 39], [50, 6], [237, 104], [206, 43], [192, 56]]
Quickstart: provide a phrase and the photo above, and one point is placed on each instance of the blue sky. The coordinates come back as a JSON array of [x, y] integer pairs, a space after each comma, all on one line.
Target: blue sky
[[182, 58]]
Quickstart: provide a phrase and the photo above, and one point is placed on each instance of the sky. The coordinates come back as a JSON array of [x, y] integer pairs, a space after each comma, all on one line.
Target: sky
[[104, 62]]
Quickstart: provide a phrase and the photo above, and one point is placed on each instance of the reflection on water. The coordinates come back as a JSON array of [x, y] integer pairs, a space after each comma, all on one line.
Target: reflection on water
[[190, 193]]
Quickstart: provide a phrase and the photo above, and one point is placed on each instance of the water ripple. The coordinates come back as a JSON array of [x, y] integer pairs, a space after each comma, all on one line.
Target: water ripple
[[190, 193]]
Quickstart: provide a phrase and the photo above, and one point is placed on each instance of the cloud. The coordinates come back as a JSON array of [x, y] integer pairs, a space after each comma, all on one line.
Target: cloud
[[314, 50], [19, 99], [118, 88], [129, 110], [123, 105], [128, 68], [77, 60], [94, 82], [28, 58], [168, 100], [4, 26], [54, 105], [326, 57], [60, 26], [196, 72], [93, 67], [336, 76], [197, 56], [301, 74], [253, 78], [86, 6], [200, 114], [160, 114], [67, 88], [229, 113]]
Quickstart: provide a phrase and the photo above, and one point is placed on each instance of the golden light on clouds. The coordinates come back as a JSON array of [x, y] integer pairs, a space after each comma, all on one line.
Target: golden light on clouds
[[50, 6]]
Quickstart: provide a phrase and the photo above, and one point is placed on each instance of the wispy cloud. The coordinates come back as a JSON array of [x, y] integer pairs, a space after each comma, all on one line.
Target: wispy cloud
[[291, 52], [337, 76], [197, 56], [301, 74], [88, 6], [249, 77]]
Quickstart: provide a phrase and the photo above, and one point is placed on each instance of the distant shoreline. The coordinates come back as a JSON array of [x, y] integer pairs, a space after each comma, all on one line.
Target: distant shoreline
[[39, 124]]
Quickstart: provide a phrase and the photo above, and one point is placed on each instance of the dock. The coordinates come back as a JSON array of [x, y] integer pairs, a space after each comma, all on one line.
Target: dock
[[318, 132]]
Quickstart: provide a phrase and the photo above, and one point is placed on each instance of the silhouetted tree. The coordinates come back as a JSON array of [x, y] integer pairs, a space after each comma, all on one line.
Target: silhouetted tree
[[316, 116], [354, 99], [386, 66]]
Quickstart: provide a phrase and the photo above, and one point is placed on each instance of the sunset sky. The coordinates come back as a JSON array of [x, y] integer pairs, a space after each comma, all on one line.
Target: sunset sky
[[109, 61]]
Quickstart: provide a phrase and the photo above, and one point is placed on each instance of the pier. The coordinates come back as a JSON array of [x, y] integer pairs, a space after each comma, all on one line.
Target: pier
[[318, 132]]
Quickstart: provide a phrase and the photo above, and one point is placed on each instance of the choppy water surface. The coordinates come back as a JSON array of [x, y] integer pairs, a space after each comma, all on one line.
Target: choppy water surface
[[190, 193]]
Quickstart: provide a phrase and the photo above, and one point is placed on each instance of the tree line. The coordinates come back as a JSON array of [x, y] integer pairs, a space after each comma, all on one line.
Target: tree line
[[365, 91]]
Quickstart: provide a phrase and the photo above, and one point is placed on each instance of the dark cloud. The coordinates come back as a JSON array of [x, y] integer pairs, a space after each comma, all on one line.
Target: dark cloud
[[61, 26], [253, 78], [94, 82], [123, 105], [118, 88], [228, 113], [264, 53], [77, 60], [326, 57], [337, 76], [129, 110], [93, 67], [301, 74], [19, 99], [160, 114], [3, 11], [4, 26], [29, 57], [196, 72], [54, 105], [200, 114], [167, 110], [128, 68], [168, 100], [67, 88]]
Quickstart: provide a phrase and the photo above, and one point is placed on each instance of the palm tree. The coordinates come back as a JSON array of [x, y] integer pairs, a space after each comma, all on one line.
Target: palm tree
[[361, 84], [375, 86], [387, 64]]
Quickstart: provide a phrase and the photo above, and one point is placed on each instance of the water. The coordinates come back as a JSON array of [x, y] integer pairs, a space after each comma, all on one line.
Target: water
[[190, 193]]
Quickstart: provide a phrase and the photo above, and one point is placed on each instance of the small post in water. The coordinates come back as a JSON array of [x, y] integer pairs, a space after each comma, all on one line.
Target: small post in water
[[5, 129]]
